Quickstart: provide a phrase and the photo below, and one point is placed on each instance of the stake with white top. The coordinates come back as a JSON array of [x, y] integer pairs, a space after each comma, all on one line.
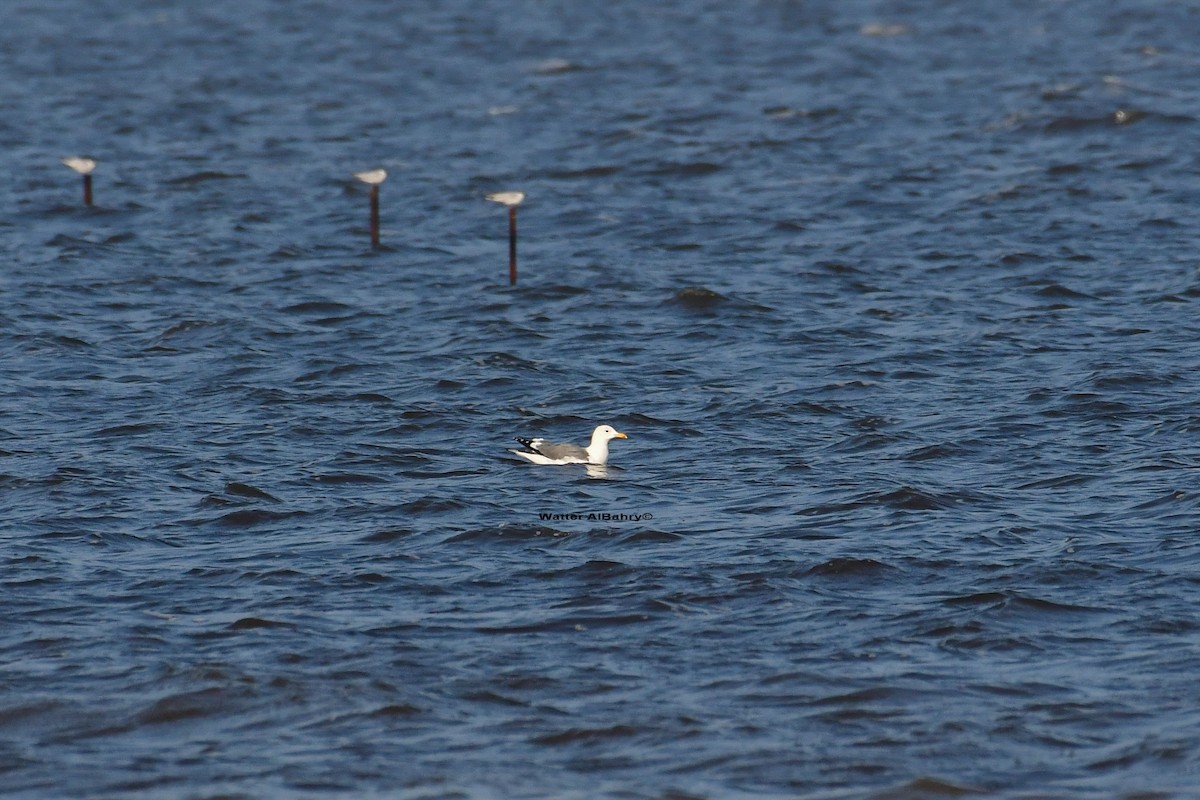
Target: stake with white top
[[84, 167], [373, 178], [512, 200]]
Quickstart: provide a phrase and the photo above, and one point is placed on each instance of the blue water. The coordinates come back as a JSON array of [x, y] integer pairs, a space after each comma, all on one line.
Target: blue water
[[896, 302]]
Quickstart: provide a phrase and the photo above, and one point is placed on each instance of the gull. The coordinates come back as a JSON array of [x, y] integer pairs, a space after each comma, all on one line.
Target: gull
[[83, 166], [372, 176], [506, 198], [539, 451]]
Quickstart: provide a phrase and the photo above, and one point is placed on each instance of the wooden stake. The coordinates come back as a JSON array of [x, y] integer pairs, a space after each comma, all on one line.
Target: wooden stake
[[512, 200], [375, 215], [84, 167], [373, 178], [512, 245]]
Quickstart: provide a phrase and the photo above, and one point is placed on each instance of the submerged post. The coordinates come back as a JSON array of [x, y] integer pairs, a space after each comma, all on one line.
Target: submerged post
[[512, 200], [373, 178], [512, 245], [84, 167], [375, 215]]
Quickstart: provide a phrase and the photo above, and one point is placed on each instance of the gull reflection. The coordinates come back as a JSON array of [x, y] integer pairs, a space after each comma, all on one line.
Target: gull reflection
[[602, 471]]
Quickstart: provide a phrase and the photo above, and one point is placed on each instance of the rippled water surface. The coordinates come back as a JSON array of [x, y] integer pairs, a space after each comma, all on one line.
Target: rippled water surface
[[896, 302]]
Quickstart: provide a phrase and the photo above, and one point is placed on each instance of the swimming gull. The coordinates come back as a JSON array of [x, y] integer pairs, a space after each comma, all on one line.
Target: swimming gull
[[539, 451]]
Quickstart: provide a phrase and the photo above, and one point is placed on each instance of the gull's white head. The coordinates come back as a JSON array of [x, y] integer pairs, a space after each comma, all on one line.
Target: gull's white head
[[507, 198], [598, 449], [83, 166], [373, 176], [606, 433]]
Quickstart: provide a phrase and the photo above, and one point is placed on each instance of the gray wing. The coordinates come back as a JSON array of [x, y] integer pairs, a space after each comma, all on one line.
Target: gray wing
[[556, 451]]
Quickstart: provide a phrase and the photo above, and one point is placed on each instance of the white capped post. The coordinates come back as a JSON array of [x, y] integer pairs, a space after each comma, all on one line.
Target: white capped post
[[512, 200], [373, 178], [84, 167]]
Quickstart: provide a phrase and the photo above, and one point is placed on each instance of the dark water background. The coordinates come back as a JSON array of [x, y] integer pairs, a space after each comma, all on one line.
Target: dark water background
[[897, 302]]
